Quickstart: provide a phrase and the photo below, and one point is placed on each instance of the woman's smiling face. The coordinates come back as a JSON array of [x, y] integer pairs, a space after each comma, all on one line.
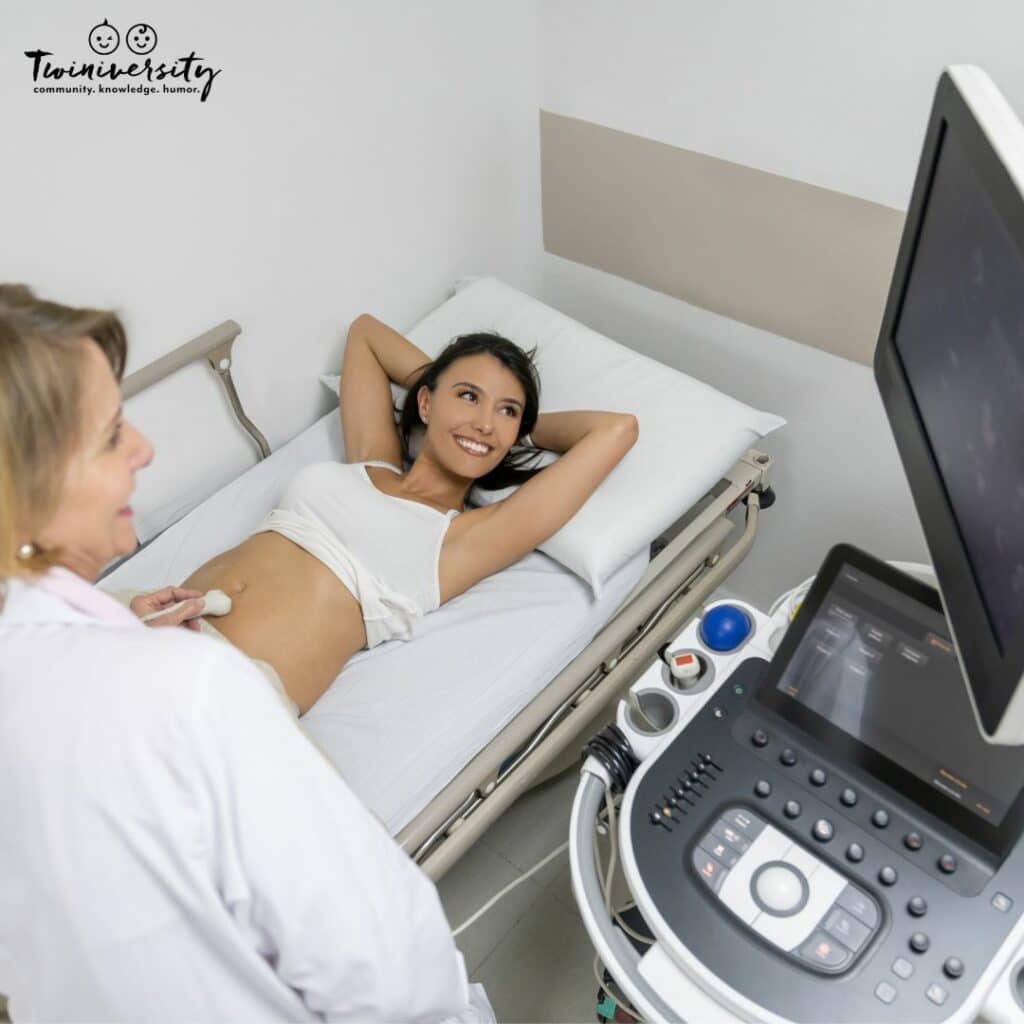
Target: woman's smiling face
[[93, 523], [473, 415]]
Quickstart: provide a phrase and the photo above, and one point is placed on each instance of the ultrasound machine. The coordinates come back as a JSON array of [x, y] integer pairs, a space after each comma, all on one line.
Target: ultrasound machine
[[820, 820]]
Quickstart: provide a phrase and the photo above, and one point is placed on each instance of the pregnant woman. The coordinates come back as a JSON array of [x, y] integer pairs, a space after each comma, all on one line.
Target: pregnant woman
[[356, 553]]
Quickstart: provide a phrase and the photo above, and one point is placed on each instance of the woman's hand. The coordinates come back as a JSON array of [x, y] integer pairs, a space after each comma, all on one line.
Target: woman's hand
[[146, 604]]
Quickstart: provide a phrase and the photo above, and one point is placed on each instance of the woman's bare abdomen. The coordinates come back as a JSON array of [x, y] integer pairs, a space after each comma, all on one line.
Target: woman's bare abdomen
[[288, 609]]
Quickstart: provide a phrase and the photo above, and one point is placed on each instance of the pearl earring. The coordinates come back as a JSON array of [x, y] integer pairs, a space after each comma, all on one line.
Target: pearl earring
[[26, 551]]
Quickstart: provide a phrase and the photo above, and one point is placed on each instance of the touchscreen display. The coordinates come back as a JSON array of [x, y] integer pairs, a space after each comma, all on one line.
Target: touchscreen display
[[880, 666]]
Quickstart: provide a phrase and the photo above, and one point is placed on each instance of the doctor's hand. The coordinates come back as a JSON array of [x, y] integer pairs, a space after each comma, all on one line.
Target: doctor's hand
[[184, 606]]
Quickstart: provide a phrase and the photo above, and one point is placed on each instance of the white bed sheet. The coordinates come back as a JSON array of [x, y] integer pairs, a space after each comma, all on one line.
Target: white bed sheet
[[403, 719]]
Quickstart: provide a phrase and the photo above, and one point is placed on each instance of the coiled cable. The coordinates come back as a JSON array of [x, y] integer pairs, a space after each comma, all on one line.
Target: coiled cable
[[612, 751]]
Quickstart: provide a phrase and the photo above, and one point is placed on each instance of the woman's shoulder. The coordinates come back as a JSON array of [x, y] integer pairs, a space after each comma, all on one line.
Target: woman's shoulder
[[336, 470], [315, 477], [466, 521]]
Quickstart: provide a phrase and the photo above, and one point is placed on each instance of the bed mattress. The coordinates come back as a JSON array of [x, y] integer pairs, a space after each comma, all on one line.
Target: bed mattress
[[402, 719]]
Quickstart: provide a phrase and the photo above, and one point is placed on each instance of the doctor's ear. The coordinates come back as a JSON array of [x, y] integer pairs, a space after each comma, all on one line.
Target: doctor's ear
[[423, 404]]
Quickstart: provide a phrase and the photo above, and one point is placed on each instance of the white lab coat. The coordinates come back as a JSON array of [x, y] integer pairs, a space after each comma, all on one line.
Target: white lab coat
[[173, 847]]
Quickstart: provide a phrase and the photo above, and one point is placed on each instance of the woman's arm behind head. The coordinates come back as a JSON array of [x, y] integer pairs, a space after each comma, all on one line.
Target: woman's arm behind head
[[375, 357], [499, 535], [559, 431]]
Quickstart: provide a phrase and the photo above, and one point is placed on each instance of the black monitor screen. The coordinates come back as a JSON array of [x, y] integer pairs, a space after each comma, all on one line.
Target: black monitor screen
[[879, 665], [960, 336]]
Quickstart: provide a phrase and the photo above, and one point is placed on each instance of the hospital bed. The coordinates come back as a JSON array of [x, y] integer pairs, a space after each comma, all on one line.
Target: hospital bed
[[497, 689]]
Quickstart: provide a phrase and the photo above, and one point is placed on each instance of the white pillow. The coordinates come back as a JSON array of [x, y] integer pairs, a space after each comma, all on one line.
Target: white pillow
[[683, 423]]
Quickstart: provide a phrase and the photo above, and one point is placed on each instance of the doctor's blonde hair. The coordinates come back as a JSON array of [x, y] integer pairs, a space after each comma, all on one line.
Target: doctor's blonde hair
[[41, 411]]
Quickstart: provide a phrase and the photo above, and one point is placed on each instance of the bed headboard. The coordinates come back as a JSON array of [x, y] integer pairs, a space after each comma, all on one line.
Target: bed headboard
[[215, 345]]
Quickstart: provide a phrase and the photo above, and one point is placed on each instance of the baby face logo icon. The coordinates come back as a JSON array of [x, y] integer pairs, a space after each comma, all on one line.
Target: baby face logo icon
[[141, 38], [104, 38]]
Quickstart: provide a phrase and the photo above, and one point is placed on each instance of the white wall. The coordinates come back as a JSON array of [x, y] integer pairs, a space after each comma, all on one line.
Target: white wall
[[362, 155], [352, 156], [835, 94]]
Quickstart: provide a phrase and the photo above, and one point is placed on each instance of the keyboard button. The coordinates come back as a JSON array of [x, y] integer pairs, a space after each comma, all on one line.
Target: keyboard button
[[803, 860], [788, 757], [855, 853], [1002, 902], [823, 951], [792, 809], [860, 905], [887, 875], [917, 906], [848, 797], [743, 821], [720, 850], [763, 789], [880, 818], [913, 841], [947, 863], [902, 968], [727, 833], [842, 926], [885, 992], [823, 830], [818, 777], [936, 993], [709, 869], [953, 967], [919, 942], [759, 738]]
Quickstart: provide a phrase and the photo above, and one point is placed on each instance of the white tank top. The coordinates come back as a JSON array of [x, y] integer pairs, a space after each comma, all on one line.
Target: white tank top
[[384, 549]]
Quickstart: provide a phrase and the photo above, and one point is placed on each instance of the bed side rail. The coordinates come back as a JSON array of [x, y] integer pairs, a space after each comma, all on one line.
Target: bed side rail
[[215, 346], [691, 568]]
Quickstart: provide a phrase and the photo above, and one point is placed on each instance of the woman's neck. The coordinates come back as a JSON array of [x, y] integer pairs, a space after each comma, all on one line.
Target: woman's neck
[[428, 481]]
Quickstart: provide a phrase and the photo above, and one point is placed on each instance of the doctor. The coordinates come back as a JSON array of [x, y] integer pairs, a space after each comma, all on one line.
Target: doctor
[[173, 847]]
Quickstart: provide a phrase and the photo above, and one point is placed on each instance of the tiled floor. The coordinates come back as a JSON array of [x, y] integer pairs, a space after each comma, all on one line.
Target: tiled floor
[[530, 951]]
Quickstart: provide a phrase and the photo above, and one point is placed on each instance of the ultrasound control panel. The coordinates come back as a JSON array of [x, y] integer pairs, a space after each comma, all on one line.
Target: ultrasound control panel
[[785, 893], [822, 858], [783, 883]]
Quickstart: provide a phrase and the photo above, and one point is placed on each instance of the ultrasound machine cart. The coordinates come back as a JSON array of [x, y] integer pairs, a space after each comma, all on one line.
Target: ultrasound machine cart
[[821, 821]]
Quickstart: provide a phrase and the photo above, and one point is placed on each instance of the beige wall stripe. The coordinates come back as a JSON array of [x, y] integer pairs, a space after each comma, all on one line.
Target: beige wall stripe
[[801, 261]]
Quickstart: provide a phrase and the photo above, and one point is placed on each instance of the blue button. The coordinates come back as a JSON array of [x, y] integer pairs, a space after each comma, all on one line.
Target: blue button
[[725, 627]]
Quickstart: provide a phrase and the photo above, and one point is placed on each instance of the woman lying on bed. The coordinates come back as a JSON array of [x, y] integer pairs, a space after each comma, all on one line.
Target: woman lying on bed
[[356, 553]]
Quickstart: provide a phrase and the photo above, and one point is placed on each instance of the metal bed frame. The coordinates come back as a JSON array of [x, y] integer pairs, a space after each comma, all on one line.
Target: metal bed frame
[[689, 562]]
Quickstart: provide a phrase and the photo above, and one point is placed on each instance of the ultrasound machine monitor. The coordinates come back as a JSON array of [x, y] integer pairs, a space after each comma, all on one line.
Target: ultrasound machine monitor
[[950, 368], [823, 832]]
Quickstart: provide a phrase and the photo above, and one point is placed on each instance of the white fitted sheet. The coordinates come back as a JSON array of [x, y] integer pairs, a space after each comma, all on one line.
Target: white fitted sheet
[[403, 719]]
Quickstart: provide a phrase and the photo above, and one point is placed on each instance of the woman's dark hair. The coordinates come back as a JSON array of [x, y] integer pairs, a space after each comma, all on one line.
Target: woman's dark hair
[[518, 465]]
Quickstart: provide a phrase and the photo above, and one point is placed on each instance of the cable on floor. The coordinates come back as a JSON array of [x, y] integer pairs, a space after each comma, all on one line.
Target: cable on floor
[[508, 888]]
